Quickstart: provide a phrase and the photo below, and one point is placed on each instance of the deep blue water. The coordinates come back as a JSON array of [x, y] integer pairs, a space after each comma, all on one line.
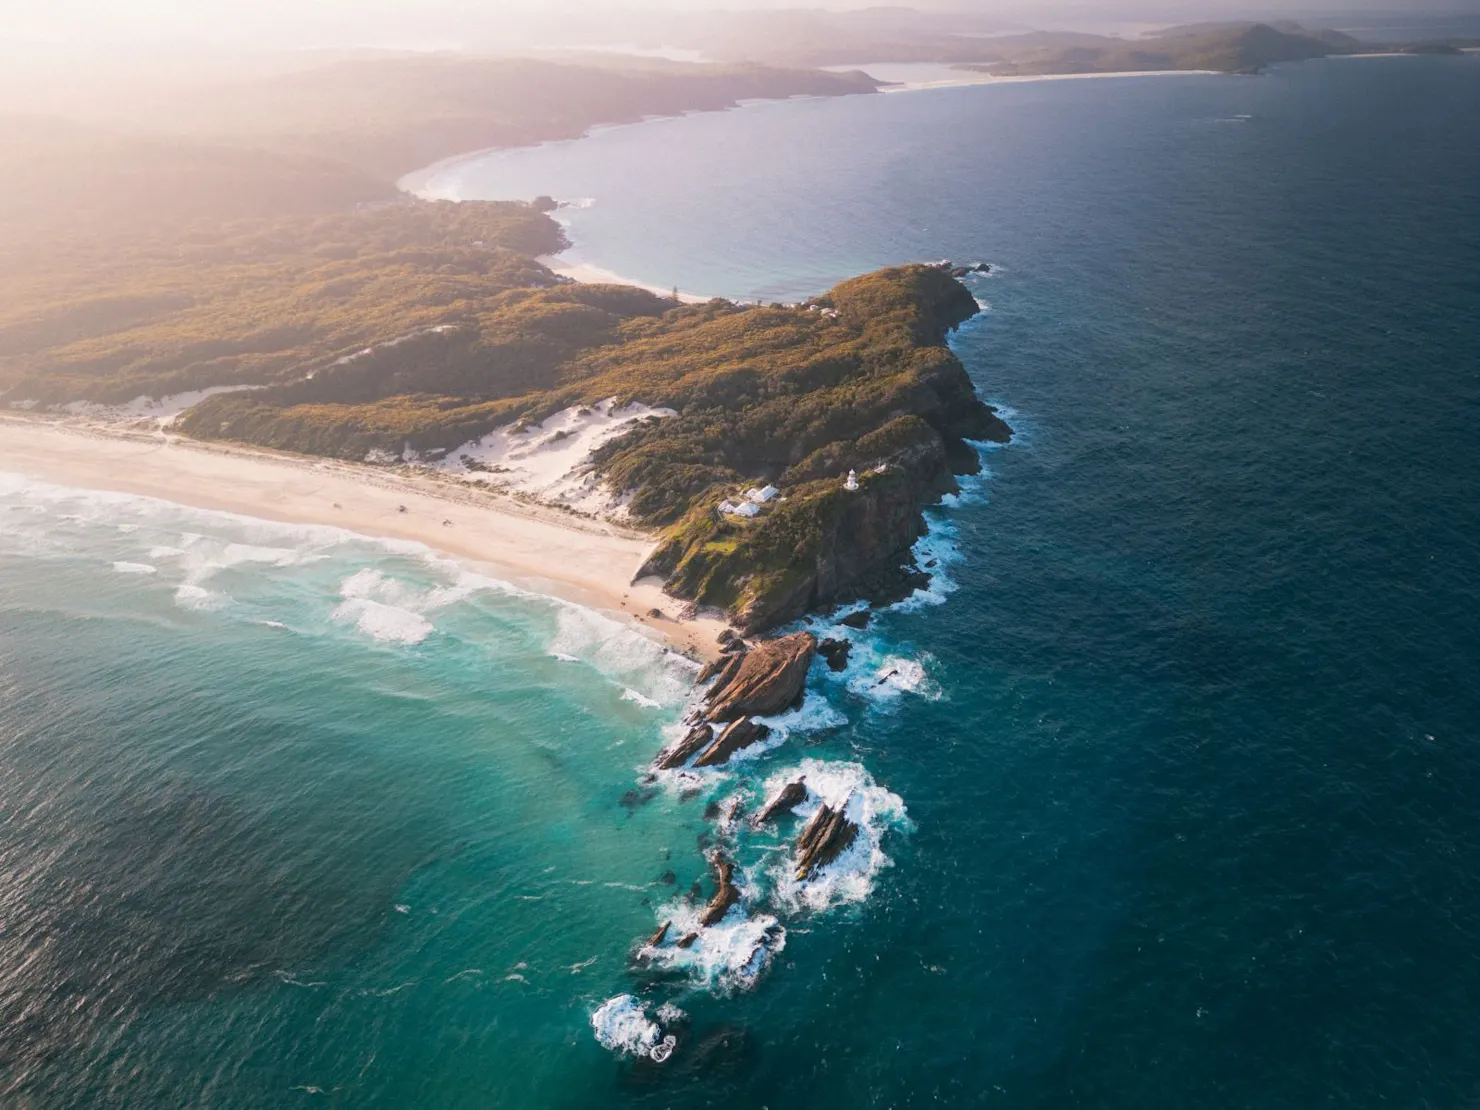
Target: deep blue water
[[1190, 759]]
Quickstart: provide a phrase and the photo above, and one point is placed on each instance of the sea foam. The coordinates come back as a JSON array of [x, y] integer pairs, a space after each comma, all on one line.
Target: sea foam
[[627, 657], [623, 1026], [874, 809], [726, 957]]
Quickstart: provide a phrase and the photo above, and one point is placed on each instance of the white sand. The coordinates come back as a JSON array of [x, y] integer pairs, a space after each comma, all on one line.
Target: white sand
[[544, 550], [550, 461], [160, 411], [594, 275]]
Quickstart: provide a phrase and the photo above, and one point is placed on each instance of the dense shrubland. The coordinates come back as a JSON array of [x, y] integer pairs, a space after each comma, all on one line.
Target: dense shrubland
[[108, 318]]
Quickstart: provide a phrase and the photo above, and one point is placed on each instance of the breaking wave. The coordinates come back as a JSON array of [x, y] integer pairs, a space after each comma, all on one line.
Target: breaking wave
[[875, 810], [726, 957], [623, 1026]]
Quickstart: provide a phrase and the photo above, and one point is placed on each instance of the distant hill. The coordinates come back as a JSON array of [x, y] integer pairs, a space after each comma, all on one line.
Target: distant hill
[[1338, 39], [393, 114], [61, 175], [1236, 48], [325, 139]]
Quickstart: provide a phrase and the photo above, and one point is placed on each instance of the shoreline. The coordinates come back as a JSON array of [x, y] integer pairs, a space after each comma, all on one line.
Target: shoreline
[[585, 562], [967, 80], [417, 183], [585, 273]]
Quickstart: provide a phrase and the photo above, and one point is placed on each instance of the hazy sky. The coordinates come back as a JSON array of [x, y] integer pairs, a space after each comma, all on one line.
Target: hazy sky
[[359, 22]]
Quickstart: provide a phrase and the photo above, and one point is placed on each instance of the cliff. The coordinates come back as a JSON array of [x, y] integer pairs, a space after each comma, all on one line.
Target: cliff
[[901, 424]]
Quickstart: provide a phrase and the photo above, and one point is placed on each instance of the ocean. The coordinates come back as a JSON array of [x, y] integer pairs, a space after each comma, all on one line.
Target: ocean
[[1169, 780]]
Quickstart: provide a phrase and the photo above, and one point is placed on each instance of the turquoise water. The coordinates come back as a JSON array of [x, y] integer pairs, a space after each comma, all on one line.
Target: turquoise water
[[1173, 798]]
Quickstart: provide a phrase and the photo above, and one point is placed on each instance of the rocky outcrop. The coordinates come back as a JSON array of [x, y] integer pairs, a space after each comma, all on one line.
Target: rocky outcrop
[[859, 620], [722, 672], [725, 895], [764, 681], [736, 737], [787, 799], [697, 740], [657, 938], [836, 653], [827, 836], [712, 670]]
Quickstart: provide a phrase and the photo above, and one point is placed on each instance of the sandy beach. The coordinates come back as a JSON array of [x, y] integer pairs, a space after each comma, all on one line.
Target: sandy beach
[[588, 274], [584, 561]]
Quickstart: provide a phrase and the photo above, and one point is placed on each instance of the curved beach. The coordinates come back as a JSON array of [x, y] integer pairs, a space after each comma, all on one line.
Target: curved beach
[[583, 561]]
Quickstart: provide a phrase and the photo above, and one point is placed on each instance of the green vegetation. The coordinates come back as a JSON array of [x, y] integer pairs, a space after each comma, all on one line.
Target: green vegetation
[[108, 318], [68, 180]]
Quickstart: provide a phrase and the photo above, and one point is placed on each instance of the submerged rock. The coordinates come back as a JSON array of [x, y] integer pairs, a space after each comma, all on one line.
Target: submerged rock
[[725, 896], [736, 737], [696, 741], [790, 796], [765, 680], [827, 836], [836, 653]]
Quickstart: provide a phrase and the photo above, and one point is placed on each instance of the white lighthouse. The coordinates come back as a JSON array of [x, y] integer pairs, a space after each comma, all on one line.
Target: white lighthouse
[[852, 482]]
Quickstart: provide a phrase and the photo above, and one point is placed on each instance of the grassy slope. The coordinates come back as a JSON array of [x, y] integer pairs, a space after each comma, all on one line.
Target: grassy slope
[[107, 318]]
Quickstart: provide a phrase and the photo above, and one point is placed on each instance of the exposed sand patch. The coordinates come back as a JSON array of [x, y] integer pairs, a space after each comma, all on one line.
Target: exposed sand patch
[[550, 460]]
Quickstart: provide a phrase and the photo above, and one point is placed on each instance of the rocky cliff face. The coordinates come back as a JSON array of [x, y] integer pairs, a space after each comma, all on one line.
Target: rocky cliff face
[[899, 410]]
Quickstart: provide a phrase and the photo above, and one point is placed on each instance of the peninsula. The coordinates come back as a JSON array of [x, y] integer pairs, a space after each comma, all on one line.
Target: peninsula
[[423, 339], [762, 460]]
